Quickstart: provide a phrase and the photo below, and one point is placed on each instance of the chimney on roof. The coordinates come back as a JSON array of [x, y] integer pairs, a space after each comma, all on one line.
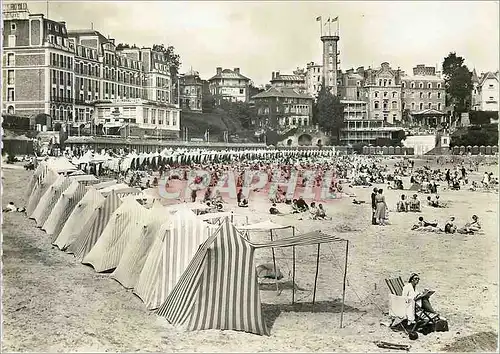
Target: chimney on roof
[[272, 75], [219, 70], [237, 70]]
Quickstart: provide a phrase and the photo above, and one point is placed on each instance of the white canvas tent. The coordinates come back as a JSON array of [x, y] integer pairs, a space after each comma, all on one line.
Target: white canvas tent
[[63, 208], [172, 250], [39, 190], [49, 199], [94, 227], [137, 249], [125, 224], [78, 218]]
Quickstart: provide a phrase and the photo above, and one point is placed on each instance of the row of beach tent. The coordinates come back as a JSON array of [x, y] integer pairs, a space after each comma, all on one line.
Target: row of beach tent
[[184, 156], [191, 270]]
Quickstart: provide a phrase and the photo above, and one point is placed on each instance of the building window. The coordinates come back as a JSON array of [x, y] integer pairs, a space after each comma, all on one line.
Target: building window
[[429, 95], [394, 117], [413, 106], [412, 85], [385, 94], [174, 118], [421, 106], [394, 105], [438, 86], [376, 105], [439, 94], [404, 105], [421, 95], [420, 85], [10, 110], [402, 95], [491, 86], [439, 106], [242, 91], [376, 94], [394, 94], [10, 94], [13, 27], [10, 77], [10, 59], [386, 106]]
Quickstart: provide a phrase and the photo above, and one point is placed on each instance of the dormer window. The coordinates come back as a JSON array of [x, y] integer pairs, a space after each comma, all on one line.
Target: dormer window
[[412, 85]]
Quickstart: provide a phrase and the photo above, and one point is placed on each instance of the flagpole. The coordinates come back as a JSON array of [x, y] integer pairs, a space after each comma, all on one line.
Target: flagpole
[[320, 26], [338, 27], [47, 8], [330, 28]]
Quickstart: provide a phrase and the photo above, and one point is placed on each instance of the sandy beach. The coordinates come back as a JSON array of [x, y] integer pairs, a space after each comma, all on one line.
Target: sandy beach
[[53, 303]]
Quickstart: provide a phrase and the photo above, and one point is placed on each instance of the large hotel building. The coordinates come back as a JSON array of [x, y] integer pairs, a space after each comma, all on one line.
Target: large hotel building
[[79, 75]]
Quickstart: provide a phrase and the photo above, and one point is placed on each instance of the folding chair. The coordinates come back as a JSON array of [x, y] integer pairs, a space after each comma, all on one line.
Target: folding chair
[[422, 317]]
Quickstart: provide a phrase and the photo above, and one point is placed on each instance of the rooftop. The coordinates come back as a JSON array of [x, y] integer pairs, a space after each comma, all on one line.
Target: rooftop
[[288, 78], [285, 92], [422, 78], [229, 74]]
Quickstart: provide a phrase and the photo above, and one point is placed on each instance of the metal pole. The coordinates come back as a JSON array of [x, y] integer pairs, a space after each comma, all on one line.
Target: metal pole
[[316, 276], [293, 268], [274, 263], [343, 288]]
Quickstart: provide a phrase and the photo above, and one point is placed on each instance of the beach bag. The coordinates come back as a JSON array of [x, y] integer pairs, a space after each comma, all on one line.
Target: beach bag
[[441, 326]]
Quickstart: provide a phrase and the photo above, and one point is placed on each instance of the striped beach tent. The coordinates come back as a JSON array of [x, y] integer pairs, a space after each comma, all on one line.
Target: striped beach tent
[[169, 256], [78, 218], [39, 190], [219, 288], [137, 249], [125, 224], [94, 227], [104, 184], [49, 200], [63, 208], [35, 179]]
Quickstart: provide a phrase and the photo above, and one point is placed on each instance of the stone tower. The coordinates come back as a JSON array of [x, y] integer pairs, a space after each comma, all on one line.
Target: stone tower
[[330, 62]]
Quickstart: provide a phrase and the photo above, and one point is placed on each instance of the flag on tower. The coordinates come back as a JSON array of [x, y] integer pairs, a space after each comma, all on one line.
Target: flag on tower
[[328, 19], [335, 19], [318, 18]]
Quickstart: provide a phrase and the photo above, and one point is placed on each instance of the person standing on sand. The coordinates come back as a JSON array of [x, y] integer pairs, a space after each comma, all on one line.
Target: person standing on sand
[[374, 206], [380, 211]]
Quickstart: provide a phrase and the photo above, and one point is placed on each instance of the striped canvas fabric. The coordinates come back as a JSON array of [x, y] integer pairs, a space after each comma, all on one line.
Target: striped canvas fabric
[[79, 218], [49, 200], [38, 175], [39, 190], [63, 208], [136, 251], [310, 238], [171, 253], [219, 288], [94, 227], [125, 224]]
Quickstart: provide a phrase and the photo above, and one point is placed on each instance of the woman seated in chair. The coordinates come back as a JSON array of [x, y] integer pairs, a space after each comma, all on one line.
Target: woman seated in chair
[[413, 297]]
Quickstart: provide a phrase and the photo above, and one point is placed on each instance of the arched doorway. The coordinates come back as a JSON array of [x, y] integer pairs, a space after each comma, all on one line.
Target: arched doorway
[[10, 110], [305, 140], [319, 142], [289, 142]]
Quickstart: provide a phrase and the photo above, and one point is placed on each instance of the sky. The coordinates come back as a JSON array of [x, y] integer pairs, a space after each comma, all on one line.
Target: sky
[[262, 37]]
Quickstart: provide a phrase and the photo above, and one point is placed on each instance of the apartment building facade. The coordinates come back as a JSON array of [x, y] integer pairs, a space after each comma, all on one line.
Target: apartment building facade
[[283, 108], [50, 70], [314, 74], [485, 95], [297, 80], [229, 85], [191, 91]]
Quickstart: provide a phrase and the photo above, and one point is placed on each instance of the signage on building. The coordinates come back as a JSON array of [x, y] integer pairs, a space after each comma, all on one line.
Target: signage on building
[[16, 11], [128, 100]]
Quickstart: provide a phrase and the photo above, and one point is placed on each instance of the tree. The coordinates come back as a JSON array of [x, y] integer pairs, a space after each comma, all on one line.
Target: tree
[[173, 59], [458, 82], [328, 113], [476, 135]]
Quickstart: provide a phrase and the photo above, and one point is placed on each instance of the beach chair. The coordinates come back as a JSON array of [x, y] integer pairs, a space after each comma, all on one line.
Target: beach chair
[[422, 317]]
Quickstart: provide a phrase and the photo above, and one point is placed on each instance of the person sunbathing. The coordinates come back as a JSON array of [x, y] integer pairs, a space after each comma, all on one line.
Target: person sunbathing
[[11, 207], [321, 213], [273, 210], [423, 225], [414, 203], [302, 205], [313, 211], [471, 227], [402, 205], [450, 227]]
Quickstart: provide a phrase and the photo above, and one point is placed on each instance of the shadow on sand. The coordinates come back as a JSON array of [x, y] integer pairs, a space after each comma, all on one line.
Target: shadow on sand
[[271, 312]]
